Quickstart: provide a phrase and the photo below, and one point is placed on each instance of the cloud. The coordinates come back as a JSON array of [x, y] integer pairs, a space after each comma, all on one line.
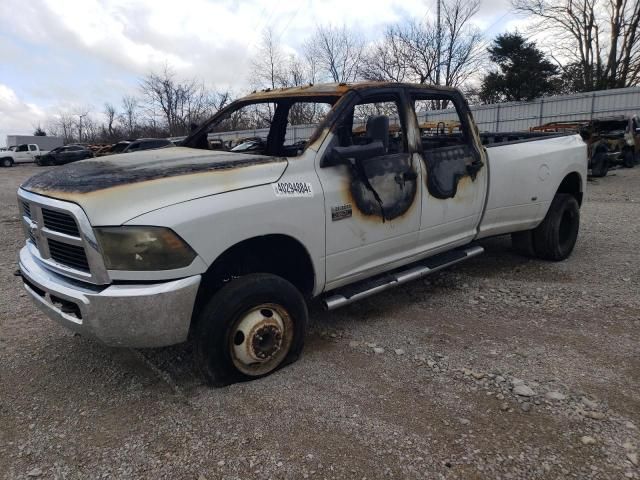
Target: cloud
[[17, 116], [92, 51]]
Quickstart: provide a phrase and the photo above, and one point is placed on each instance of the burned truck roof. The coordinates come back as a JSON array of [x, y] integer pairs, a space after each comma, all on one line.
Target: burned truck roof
[[333, 89]]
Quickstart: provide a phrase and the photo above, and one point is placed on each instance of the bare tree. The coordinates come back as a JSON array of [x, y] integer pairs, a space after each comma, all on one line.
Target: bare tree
[[267, 66], [90, 129], [52, 126], [219, 100], [66, 125], [387, 60], [111, 115], [601, 38], [272, 68], [409, 51], [461, 50], [178, 103], [129, 115], [337, 52]]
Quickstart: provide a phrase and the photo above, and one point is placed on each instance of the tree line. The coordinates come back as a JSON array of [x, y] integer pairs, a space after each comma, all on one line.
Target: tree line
[[596, 45]]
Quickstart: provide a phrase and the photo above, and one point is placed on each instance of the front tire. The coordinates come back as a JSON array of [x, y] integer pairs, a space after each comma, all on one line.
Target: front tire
[[250, 328], [7, 162], [555, 238]]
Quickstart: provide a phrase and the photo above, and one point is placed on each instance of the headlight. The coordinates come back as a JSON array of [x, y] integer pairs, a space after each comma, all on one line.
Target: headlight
[[143, 248]]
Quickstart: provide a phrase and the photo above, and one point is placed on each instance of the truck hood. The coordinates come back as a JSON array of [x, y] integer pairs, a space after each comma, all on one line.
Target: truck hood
[[115, 189]]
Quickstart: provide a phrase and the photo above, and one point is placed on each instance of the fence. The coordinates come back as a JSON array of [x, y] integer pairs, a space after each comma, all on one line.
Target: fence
[[505, 117], [517, 116]]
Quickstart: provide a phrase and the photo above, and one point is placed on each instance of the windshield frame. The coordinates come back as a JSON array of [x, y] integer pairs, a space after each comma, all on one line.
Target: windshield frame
[[195, 139]]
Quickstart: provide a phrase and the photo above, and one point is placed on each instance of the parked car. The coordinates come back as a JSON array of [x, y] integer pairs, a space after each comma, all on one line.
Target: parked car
[[120, 146], [147, 144], [226, 248], [255, 144], [612, 141], [24, 153], [66, 154]]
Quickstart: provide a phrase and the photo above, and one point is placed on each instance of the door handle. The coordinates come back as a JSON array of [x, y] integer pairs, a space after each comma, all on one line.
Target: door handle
[[409, 175], [474, 167]]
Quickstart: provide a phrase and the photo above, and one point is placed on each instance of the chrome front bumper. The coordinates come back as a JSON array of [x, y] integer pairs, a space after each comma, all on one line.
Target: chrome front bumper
[[145, 315]]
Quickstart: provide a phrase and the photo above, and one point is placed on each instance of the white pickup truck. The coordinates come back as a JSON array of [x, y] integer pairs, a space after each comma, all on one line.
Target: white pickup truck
[[152, 248], [25, 153]]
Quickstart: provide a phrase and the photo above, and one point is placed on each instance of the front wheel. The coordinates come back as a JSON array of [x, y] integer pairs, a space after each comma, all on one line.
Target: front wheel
[[7, 162], [252, 326]]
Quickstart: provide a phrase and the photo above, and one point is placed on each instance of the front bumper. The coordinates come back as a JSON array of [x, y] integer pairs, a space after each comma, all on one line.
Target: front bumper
[[144, 315]]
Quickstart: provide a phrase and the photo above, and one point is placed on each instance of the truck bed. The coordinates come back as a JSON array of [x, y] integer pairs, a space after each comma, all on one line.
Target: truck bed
[[524, 177], [489, 139], [493, 139]]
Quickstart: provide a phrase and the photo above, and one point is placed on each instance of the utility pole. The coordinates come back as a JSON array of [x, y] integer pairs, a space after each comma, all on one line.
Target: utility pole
[[438, 44], [438, 49]]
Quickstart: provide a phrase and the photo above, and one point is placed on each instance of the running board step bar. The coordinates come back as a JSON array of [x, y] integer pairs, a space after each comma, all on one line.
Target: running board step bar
[[352, 293]]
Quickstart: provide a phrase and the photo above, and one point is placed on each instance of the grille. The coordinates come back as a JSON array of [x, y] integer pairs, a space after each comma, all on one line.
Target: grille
[[70, 255], [60, 222], [62, 236]]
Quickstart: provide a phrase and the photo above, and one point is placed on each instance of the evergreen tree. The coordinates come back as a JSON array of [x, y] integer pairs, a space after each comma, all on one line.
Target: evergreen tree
[[523, 74]]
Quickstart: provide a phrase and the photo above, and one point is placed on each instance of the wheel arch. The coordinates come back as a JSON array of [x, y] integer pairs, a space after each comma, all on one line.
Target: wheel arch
[[572, 184], [277, 254]]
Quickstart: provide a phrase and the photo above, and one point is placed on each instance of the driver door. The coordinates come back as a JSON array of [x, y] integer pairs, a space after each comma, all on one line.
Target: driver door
[[22, 154], [372, 206]]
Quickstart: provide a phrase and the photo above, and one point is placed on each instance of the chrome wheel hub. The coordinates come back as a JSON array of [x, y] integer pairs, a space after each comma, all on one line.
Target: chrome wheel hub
[[260, 339]]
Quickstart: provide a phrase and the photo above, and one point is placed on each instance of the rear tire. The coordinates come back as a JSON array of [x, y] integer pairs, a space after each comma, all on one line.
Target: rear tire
[[628, 158], [555, 238], [250, 328], [522, 243], [600, 164]]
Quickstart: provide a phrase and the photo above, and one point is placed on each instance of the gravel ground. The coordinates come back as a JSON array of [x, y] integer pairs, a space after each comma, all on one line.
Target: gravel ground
[[501, 367]]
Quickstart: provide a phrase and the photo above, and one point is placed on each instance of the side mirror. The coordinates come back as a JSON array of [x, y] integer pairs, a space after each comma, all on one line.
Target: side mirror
[[344, 155]]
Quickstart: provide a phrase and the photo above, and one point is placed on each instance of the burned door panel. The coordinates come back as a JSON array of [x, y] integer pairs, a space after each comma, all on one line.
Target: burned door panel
[[446, 166], [372, 195], [455, 179], [448, 148], [384, 186]]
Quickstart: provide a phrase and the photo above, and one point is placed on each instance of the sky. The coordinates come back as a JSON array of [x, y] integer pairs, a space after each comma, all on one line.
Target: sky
[[74, 55]]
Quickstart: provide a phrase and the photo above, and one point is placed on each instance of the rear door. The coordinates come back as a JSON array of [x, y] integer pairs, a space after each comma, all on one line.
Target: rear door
[[58, 155], [33, 151], [66, 155], [83, 153], [372, 207], [455, 170]]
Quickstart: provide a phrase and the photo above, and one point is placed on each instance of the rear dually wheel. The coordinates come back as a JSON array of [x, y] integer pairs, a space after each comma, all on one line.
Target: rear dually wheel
[[555, 238]]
